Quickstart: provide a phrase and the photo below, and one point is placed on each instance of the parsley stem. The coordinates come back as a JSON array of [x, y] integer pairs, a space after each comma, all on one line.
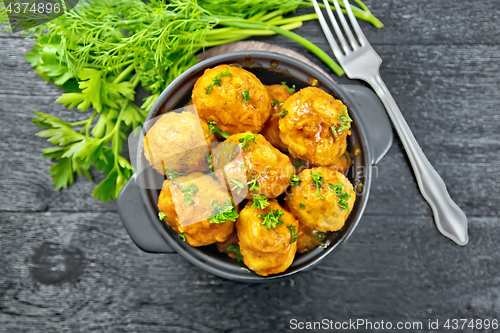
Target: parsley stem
[[271, 15], [359, 13], [303, 18], [231, 33], [258, 16], [89, 122], [244, 24]]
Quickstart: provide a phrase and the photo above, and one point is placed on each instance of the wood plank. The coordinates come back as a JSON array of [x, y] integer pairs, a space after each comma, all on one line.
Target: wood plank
[[384, 272]]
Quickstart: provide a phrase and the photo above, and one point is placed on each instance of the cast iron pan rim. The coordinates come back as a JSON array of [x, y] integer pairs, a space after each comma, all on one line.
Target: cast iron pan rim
[[325, 83]]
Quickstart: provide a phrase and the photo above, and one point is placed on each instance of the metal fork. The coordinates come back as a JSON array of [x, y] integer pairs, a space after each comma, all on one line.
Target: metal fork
[[360, 61]]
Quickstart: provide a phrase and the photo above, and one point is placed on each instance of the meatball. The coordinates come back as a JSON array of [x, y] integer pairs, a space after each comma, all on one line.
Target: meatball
[[322, 200], [308, 238], [268, 171], [179, 207], [178, 142], [232, 97], [316, 126], [279, 93], [267, 251]]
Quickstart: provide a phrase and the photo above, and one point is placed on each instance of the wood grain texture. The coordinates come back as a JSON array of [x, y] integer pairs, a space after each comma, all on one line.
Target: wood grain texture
[[67, 264], [413, 274]]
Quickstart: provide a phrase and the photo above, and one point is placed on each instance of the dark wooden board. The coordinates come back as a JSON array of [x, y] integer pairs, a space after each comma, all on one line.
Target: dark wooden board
[[67, 264]]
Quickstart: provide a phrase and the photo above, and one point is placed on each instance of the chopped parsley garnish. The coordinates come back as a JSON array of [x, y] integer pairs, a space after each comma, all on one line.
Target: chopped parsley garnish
[[172, 174], [298, 163], [236, 249], [189, 191], [246, 96], [295, 181], [318, 181], [272, 219], [275, 102], [223, 213], [302, 206], [343, 196], [345, 123], [211, 127], [246, 140], [344, 117], [236, 185], [242, 166], [259, 201], [254, 186], [182, 236], [290, 90], [294, 233], [217, 80], [288, 199], [162, 215], [209, 160], [283, 113]]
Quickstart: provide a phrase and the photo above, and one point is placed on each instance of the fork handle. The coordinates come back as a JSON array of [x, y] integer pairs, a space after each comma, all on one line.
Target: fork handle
[[450, 219]]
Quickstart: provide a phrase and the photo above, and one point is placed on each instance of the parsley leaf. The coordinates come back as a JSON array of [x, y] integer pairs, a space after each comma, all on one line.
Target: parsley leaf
[[236, 249], [172, 174], [295, 181], [290, 90], [189, 191], [343, 196], [223, 213], [182, 236], [211, 127], [271, 219], [77, 151], [236, 185], [283, 113], [345, 116], [259, 201], [302, 206], [218, 80], [345, 123], [209, 160], [275, 102], [294, 233], [246, 140], [162, 215], [246, 96], [318, 181]]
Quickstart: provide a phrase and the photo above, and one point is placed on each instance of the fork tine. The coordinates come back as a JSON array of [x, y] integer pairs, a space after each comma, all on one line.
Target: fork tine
[[357, 29], [326, 29], [336, 27], [347, 29]]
